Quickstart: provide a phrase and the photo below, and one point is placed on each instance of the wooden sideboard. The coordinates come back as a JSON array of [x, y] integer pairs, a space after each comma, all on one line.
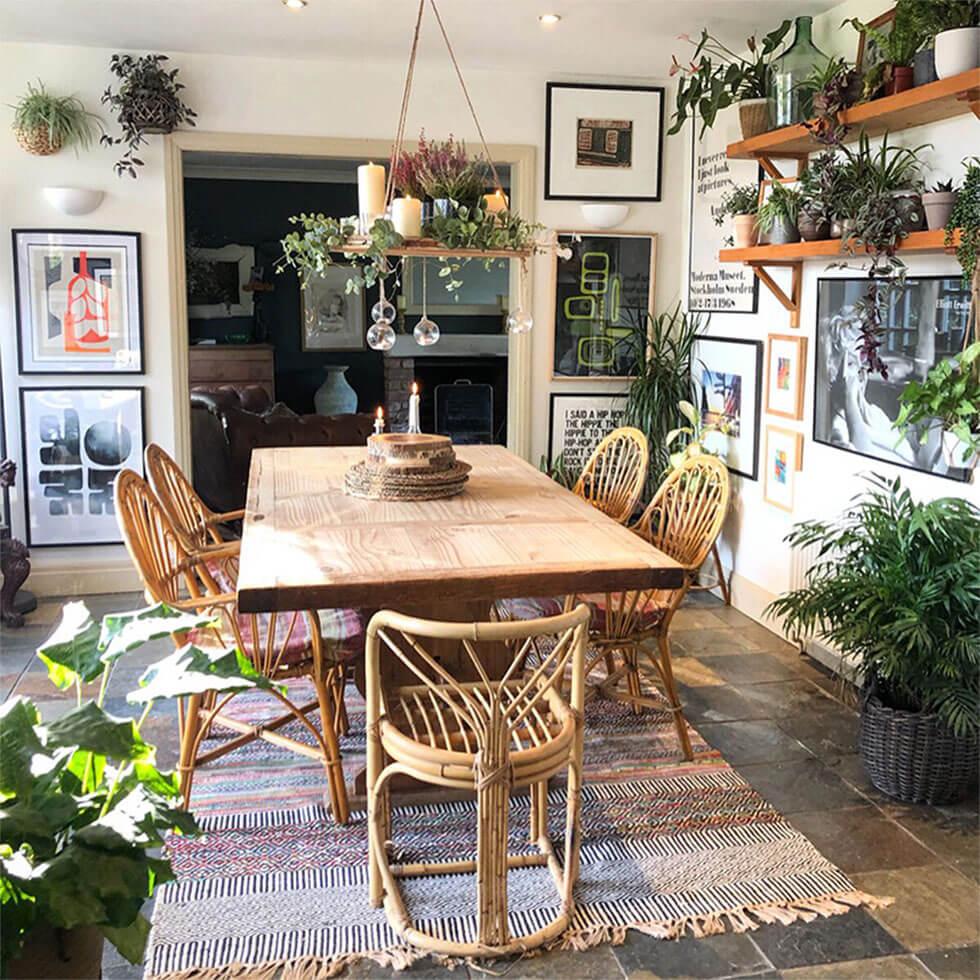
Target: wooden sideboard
[[233, 364]]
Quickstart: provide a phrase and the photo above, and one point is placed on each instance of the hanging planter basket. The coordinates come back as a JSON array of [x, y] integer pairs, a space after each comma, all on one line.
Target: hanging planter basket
[[37, 141], [152, 114]]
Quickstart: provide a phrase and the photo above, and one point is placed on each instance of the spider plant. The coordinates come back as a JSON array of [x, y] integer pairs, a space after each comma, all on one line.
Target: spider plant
[[62, 120]]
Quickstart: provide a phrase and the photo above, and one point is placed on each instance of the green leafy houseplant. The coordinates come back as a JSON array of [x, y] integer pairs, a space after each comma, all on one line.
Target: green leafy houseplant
[[832, 88], [695, 433], [716, 77], [743, 199], [932, 17], [965, 216], [780, 211], [823, 191], [559, 471], [83, 808], [148, 101], [897, 47], [45, 123], [896, 585]]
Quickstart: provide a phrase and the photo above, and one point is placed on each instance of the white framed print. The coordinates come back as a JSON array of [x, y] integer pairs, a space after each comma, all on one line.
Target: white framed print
[[603, 142], [783, 462], [220, 293], [330, 317], [578, 423], [78, 302], [785, 375], [75, 442], [727, 382]]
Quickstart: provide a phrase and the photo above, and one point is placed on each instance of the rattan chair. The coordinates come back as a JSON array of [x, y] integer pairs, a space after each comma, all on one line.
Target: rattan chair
[[279, 645], [683, 520], [487, 736], [613, 478]]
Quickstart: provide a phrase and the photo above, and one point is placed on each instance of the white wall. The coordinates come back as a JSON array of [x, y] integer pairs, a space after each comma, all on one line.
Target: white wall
[[752, 539], [248, 95]]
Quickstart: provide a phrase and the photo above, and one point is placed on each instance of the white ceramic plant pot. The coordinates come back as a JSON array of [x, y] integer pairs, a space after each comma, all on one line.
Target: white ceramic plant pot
[[746, 231], [953, 451], [957, 51]]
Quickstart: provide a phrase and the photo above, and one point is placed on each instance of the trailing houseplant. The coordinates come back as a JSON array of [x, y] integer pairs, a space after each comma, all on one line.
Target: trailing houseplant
[[778, 214], [46, 123], [823, 196], [896, 587], [147, 101], [716, 77], [83, 809], [832, 88], [741, 203]]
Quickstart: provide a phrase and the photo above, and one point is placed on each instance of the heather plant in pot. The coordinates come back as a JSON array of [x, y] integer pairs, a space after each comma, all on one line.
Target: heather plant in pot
[[896, 588], [741, 203], [84, 811]]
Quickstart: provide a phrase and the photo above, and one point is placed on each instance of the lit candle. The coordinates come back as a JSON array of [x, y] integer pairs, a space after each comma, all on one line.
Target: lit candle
[[406, 216], [379, 421], [495, 202], [370, 193], [413, 409]]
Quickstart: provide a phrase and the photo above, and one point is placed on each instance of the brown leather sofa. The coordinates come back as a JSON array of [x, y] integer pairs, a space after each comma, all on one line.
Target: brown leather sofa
[[229, 421]]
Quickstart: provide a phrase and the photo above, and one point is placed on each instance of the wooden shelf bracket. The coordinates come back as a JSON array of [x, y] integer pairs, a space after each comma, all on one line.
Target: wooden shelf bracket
[[792, 302]]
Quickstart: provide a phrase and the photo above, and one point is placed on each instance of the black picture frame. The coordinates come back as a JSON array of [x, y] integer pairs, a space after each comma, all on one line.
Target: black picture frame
[[608, 396], [756, 401], [27, 458], [19, 311], [550, 88], [883, 397]]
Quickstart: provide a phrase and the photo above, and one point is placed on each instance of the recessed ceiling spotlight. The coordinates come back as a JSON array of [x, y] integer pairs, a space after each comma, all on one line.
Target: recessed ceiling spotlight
[[549, 20], [294, 4]]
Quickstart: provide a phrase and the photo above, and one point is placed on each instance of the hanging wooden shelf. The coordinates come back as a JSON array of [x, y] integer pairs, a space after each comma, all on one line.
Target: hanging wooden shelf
[[761, 258], [429, 248], [920, 106]]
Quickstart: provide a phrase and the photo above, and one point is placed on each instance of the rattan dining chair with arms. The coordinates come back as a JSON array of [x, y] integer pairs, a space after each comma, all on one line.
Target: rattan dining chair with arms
[[683, 520], [487, 736], [613, 478], [280, 646]]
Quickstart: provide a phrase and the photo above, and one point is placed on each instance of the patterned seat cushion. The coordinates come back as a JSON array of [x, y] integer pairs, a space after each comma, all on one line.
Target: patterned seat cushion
[[530, 608], [649, 615]]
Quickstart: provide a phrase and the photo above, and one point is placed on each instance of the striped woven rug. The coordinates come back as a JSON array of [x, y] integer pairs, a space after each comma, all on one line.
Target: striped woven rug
[[274, 888]]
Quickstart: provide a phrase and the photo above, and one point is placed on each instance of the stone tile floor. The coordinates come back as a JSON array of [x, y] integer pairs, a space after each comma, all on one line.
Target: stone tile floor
[[783, 722]]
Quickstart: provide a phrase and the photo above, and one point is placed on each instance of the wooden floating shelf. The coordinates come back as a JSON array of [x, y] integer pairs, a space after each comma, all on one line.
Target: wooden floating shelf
[[917, 241], [920, 106], [428, 248]]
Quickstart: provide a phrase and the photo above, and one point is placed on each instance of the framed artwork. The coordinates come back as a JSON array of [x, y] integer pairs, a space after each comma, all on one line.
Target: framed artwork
[[603, 142], [783, 461], [868, 53], [600, 296], [330, 317], [75, 441], [218, 291], [785, 373], [711, 287], [79, 307], [924, 324], [727, 382], [578, 422]]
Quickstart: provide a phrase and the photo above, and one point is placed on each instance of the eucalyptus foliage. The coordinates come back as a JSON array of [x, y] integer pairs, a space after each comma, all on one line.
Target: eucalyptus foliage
[[64, 118], [896, 583]]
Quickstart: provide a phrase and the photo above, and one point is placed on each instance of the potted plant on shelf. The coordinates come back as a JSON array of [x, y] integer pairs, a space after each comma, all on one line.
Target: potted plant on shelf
[[445, 174], [778, 215], [955, 25], [897, 48], [46, 123], [716, 77], [896, 588], [85, 811], [741, 203], [148, 101], [965, 219], [832, 88], [937, 202], [823, 197]]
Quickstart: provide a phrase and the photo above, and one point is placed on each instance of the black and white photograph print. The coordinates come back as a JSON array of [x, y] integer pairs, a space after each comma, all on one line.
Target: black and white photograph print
[[331, 318], [854, 410], [75, 442]]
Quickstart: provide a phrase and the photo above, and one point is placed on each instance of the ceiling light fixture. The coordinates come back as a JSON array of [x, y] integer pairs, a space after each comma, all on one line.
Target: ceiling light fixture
[[549, 20], [294, 4]]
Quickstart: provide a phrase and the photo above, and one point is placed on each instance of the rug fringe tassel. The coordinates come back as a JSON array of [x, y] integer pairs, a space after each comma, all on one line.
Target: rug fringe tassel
[[742, 919]]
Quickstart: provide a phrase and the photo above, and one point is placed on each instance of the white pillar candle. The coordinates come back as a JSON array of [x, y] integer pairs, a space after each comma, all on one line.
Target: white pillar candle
[[379, 421], [406, 216], [495, 202], [370, 191], [413, 409]]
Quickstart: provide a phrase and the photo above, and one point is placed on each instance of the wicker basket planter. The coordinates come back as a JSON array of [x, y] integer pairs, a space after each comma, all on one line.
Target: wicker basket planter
[[753, 117], [37, 141], [913, 757]]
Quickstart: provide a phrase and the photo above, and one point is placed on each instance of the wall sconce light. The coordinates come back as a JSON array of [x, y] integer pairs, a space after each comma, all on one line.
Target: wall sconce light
[[73, 200]]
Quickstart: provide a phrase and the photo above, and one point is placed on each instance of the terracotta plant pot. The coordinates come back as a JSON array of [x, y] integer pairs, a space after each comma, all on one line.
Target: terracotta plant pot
[[59, 954], [746, 231], [37, 141], [753, 117], [937, 206], [813, 229], [957, 51], [903, 78]]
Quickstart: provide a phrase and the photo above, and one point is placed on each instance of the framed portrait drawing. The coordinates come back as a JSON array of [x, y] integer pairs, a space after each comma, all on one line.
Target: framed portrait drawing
[[78, 302], [75, 442], [924, 324], [868, 52], [603, 142], [727, 382], [783, 462], [330, 317], [577, 424], [785, 373], [218, 290], [601, 295]]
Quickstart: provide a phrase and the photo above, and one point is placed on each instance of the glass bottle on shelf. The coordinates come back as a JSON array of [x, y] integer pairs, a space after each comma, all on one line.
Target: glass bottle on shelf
[[788, 102]]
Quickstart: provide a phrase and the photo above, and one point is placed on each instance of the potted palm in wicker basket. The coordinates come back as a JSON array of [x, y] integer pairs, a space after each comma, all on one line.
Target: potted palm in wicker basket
[[896, 588]]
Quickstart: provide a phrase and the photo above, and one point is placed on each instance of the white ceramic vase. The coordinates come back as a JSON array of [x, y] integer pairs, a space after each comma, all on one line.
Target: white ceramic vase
[[957, 51]]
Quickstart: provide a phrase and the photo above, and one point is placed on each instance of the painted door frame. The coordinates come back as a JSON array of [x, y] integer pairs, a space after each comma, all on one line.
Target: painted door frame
[[521, 160]]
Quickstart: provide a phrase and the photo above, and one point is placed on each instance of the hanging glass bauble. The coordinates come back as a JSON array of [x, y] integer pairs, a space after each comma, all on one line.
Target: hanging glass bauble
[[519, 322], [426, 332], [380, 336], [383, 310]]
